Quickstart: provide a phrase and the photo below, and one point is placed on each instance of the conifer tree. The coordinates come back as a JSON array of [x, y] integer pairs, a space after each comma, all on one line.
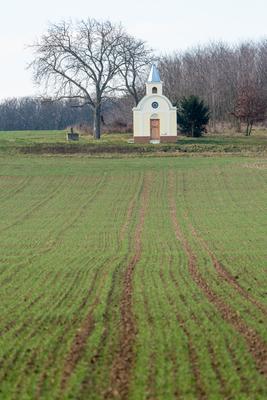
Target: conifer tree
[[192, 116]]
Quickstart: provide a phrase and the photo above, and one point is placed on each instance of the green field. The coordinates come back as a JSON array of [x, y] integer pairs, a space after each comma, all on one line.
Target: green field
[[133, 278]]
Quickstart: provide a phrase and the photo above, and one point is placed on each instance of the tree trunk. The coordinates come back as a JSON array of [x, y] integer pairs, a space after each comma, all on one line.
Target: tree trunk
[[192, 129], [247, 129], [238, 125], [250, 128], [97, 122]]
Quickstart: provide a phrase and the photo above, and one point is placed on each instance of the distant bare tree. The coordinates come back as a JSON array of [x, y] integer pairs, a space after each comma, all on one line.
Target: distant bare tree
[[80, 61], [251, 106], [170, 67]]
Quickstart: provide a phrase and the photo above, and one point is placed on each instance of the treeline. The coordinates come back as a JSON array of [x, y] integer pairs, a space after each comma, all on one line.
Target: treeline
[[229, 79], [232, 81], [28, 113]]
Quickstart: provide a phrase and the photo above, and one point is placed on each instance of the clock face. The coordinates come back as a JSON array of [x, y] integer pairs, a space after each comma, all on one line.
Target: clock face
[[155, 104]]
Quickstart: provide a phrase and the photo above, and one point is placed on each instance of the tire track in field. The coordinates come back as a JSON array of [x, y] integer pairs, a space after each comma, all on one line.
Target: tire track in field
[[221, 270], [193, 357], [255, 344], [226, 275], [29, 366], [83, 332], [128, 218], [246, 214], [79, 340], [63, 229], [43, 375], [151, 379], [70, 223], [13, 323], [84, 301], [245, 385], [78, 345], [48, 364], [124, 359], [87, 326], [215, 365], [87, 384], [37, 206], [17, 189], [214, 360], [130, 211], [194, 361]]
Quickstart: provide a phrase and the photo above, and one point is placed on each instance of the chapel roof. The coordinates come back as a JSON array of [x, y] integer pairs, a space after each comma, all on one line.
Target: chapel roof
[[154, 74]]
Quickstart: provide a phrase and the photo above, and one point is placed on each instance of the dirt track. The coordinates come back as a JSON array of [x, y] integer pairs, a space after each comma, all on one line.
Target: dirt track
[[124, 359], [256, 345], [223, 273]]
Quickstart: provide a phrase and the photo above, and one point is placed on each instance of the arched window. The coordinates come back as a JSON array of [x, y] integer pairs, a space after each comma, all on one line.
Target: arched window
[[154, 90]]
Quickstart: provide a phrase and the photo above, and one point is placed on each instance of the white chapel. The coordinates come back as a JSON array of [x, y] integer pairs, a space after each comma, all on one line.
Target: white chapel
[[154, 118]]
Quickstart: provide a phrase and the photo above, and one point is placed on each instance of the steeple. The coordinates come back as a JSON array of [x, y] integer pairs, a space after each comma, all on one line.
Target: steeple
[[154, 84], [153, 75]]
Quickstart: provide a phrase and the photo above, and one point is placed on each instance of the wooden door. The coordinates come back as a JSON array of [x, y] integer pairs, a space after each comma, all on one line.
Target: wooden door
[[154, 129]]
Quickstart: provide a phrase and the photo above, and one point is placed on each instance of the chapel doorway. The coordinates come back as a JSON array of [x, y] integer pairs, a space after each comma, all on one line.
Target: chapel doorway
[[154, 129]]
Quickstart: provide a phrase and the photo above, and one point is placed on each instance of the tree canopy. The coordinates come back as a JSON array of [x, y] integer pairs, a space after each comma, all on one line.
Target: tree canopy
[[86, 61]]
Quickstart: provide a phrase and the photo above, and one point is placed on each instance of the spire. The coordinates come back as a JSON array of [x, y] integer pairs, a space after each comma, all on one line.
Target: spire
[[154, 75]]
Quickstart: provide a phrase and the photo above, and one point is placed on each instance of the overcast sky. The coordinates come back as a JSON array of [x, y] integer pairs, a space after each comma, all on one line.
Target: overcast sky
[[166, 25]]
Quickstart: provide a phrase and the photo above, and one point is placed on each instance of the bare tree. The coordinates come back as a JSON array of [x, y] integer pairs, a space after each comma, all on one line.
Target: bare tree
[[137, 58], [80, 61], [251, 106]]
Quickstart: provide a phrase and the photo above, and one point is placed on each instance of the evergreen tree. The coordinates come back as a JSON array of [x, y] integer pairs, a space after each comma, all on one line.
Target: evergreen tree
[[192, 116]]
